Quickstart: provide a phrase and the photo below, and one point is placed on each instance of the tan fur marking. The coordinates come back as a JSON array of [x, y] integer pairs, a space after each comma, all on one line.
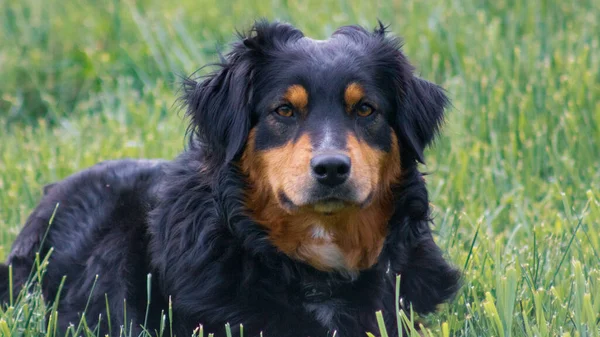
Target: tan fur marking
[[297, 96], [349, 240], [353, 94]]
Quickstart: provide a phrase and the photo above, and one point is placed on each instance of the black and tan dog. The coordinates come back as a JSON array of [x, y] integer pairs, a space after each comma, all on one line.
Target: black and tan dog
[[294, 207]]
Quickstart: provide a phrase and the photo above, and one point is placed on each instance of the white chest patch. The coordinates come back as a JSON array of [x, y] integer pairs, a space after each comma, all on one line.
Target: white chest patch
[[324, 249], [329, 254], [319, 232]]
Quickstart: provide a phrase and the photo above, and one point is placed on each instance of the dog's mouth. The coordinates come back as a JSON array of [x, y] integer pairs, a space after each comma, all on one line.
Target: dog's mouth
[[327, 205]]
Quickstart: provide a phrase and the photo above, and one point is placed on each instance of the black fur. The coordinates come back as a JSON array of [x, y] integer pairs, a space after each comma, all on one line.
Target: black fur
[[184, 221]]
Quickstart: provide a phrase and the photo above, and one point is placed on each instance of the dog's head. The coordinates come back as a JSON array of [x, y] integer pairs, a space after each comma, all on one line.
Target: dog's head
[[322, 130]]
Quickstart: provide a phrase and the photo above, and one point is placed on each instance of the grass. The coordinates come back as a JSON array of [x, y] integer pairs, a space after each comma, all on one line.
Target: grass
[[514, 179]]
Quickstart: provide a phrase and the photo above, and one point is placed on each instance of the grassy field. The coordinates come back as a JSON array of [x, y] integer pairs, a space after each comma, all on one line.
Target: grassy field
[[514, 179]]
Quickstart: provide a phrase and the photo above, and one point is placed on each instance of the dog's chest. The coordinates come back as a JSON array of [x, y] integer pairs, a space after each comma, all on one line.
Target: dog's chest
[[321, 248]]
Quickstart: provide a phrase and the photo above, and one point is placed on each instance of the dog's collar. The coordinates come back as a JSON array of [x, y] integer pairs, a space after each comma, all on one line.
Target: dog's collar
[[316, 292]]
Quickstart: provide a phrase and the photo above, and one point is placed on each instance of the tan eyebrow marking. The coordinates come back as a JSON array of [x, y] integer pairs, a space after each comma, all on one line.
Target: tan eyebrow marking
[[353, 94], [297, 96]]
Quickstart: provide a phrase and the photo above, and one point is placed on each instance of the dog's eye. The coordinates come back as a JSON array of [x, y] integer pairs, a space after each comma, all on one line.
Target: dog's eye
[[285, 111], [364, 110]]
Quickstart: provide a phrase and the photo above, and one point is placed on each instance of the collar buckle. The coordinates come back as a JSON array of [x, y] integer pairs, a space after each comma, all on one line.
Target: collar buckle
[[317, 292]]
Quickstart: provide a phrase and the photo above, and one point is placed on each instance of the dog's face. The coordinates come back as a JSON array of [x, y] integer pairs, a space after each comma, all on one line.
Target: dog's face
[[323, 135], [321, 129]]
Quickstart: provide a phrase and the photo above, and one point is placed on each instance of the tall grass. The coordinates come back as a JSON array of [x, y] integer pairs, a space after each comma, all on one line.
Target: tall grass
[[514, 179]]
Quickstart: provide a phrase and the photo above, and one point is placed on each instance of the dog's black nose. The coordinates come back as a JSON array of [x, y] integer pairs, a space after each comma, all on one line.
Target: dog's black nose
[[331, 169]]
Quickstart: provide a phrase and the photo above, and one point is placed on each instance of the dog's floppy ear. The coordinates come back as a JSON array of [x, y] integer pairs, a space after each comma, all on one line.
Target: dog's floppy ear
[[218, 109], [422, 113], [220, 105], [421, 104]]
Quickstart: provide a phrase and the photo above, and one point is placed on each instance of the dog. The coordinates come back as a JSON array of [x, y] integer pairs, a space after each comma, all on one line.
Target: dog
[[292, 209]]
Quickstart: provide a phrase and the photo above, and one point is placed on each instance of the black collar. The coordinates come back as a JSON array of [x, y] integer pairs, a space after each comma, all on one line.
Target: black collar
[[316, 292]]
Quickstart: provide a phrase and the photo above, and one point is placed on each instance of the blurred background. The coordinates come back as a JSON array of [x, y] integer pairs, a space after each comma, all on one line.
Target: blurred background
[[513, 179]]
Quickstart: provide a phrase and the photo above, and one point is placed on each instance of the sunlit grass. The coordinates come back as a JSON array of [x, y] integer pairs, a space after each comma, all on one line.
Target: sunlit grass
[[514, 178]]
